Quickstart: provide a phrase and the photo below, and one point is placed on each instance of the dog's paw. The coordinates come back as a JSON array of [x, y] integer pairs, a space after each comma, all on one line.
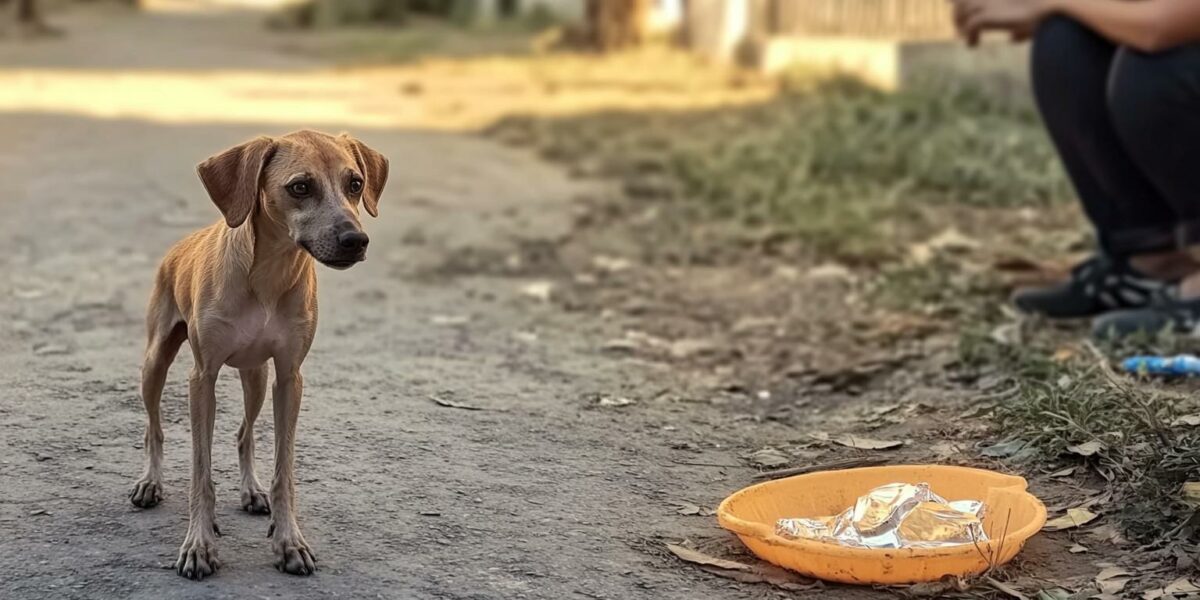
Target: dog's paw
[[292, 554], [146, 493], [197, 557], [255, 500]]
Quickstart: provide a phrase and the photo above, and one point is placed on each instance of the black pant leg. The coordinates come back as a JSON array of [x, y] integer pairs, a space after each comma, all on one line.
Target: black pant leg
[[1070, 68], [1154, 101]]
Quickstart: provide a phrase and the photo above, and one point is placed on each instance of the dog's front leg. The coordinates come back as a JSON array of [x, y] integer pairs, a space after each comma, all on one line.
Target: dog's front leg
[[198, 555], [292, 554]]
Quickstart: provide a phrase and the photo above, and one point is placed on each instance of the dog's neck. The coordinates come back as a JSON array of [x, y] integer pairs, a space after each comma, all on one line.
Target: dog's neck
[[264, 255]]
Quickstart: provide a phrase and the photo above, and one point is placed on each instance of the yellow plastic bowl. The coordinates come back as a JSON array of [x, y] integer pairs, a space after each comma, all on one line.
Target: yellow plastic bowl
[[752, 512]]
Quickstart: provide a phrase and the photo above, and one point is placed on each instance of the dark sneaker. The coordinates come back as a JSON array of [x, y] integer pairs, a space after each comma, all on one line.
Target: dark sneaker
[[1098, 285], [1174, 316]]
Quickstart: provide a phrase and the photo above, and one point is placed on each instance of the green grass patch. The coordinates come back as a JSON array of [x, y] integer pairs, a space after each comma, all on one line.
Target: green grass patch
[[420, 39], [1129, 430], [846, 170], [939, 287]]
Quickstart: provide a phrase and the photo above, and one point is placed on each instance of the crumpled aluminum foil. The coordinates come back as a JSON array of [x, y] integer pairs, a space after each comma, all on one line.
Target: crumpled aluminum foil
[[897, 515]]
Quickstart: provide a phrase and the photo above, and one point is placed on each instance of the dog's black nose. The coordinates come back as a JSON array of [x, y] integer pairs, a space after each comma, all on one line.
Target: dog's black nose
[[353, 240]]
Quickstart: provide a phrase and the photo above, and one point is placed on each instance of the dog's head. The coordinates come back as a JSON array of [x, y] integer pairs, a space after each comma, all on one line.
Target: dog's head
[[311, 183]]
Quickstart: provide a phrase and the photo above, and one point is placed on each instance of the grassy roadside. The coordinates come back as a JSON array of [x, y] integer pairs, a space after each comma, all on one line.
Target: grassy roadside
[[920, 195], [1067, 408], [850, 172]]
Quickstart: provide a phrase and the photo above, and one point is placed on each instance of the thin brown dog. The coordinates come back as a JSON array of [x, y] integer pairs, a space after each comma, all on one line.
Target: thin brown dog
[[243, 291]]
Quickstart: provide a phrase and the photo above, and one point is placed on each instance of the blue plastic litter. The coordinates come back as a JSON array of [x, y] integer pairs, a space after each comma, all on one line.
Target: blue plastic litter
[[1184, 365]]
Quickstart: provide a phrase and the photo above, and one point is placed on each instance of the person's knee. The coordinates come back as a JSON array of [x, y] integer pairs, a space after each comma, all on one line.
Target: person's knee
[[1140, 89], [1057, 43]]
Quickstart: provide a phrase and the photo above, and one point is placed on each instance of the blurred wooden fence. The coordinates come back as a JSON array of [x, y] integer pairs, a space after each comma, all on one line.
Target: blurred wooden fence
[[861, 18]]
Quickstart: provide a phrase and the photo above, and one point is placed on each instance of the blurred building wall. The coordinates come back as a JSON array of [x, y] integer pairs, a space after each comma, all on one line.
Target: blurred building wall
[[201, 4], [665, 15], [910, 19], [888, 43], [717, 28]]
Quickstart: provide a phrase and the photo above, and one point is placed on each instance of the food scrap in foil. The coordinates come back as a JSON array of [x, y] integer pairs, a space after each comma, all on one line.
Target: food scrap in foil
[[897, 515]]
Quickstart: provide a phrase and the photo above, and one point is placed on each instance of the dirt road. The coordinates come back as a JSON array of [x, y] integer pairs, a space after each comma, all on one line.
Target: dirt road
[[538, 496], [543, 493]]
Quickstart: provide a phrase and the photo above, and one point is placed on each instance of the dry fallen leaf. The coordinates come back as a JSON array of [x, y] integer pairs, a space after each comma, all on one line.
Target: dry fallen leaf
[[1007, 449], [450, 320], [452, 404], [944, 449], [620, 345], [539, 290], [829, 272], [1078, 549], [729, 569], [949, 241], [952, 240], [1005, 589], [1054, 594], [1067, 472], [1183, 585], [34, 294], [769, 458], [1188, 420], [1112, 580], [1190, 493], [1086, 449], [883, 409], [700, 558], [526, 337], [689, 509], [614, 401], [931, 589], [862, 443], [1075, 517], [776, 576], [50, 349], [1006, 334], [610, 264], [1107, 533], [750, 324], [690, 348]]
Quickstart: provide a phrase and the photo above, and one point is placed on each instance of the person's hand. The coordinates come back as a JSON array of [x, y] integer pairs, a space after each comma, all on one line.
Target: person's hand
[[1018, 17]]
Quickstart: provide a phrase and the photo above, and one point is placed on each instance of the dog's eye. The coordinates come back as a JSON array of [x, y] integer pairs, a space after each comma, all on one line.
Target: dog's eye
[[299, 189], [356, 186]]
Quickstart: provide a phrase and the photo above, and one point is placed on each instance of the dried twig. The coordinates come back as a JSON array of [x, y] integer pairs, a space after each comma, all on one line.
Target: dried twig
[[1120, 384], [705, 464], [849, 463], [452, 404], [1005, 589]]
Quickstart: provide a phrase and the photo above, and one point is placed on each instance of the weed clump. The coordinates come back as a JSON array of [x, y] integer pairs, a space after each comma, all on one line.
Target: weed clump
[[1134, 434], [843, 169]]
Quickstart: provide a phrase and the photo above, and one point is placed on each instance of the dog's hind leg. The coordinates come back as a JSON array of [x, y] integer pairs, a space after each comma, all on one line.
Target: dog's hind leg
[[254, 390], [165, 334]]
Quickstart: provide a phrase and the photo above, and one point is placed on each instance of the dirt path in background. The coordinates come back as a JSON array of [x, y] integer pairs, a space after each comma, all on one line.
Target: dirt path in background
[[544, 493]]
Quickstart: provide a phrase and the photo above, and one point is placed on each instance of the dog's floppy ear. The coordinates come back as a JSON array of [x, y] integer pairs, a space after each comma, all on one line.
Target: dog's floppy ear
[[233, 178], [375, 172]]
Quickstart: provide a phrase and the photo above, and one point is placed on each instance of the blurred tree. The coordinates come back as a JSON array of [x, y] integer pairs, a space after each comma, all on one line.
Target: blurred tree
[[332, 13], [27, 12], [27, 16], [616, 24]]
